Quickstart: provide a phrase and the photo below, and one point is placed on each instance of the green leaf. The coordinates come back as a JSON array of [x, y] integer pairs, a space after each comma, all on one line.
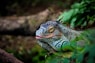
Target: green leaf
[[84, 24], [66, 60], [72, 24], [80, 58], [61, 16], [67, 15], [80, 22], [76, 5]]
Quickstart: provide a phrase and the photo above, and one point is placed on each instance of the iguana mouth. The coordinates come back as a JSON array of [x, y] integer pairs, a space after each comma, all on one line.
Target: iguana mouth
[[38, 37]]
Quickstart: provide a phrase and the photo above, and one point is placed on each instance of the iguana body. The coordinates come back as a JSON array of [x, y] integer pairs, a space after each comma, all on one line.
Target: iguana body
[[60, 39]]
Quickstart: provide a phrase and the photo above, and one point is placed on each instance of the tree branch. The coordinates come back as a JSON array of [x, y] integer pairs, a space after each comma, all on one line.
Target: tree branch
[[8, 58]]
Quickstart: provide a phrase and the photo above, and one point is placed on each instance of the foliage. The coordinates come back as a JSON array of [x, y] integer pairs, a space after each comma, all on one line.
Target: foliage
[[80, 15], [82, 54], [34, 55], [85, 54]]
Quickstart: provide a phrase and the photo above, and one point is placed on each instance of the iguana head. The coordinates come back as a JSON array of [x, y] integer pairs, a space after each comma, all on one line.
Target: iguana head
[[47, 27]]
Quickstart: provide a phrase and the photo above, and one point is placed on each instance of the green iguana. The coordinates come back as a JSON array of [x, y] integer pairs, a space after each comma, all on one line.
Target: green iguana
[[53, 36], [63, 41]]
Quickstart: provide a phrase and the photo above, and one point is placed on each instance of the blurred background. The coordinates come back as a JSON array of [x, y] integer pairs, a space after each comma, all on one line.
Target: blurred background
[[19, 20]]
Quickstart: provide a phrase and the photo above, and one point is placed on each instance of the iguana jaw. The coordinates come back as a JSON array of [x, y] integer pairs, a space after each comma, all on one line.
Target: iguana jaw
[[38, 37]]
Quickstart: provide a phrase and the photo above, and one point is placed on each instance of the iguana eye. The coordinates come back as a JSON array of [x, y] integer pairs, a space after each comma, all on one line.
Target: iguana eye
[[51, 29]]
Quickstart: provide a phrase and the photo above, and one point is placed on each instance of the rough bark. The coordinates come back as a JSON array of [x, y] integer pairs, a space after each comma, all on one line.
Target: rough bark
[[8, 58]]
